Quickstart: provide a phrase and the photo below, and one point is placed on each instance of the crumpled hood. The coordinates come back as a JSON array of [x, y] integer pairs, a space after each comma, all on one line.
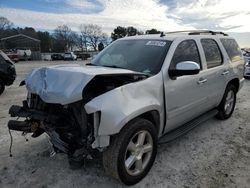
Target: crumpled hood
[[63, 84]]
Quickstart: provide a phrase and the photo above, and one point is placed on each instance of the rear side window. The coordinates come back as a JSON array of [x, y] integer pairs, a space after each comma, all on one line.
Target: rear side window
[[186, 51], [212, 53], [232, 48]]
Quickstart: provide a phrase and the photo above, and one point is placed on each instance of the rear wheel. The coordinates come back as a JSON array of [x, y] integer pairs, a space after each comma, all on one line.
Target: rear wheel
[[227, 104], [132, 152], [2, 87]]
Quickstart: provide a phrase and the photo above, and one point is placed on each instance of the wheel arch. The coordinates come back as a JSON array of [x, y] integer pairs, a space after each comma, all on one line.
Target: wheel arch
[[150, 113], [235, 82], [153, 116]]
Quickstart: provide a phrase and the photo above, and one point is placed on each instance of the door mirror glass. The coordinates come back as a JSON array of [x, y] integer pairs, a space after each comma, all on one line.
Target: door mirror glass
[[185, 68]]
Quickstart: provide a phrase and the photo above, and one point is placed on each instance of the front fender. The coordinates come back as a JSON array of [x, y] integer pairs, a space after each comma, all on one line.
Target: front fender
[[123, 104]]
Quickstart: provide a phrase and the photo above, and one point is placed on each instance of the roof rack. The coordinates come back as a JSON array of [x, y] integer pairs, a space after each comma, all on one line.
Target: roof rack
[[199, 32]]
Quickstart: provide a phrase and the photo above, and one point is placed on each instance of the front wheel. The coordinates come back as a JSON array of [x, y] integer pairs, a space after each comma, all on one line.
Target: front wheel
[[227, 104], [2, 87], [132, 152]]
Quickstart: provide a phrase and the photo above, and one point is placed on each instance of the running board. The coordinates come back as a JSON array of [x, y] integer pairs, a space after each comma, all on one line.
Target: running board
[[172, 135]]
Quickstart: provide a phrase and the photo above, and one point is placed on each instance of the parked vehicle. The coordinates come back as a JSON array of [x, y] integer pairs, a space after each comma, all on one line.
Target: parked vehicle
[[12, 55], [24, 54], [70, 56], [55, 57], [46, 57], [247, 65], [7, 71], [82, 55], [138, 92]]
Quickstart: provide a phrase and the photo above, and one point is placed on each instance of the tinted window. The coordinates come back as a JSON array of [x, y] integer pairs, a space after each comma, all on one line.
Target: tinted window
[[232, 48], [145, 56], [186, 51], [212, 53]]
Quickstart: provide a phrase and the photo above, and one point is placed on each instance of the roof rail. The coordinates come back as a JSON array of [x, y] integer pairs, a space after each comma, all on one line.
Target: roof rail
[[198, 32]]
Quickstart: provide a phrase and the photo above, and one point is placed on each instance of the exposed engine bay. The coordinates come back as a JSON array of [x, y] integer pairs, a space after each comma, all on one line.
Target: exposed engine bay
[[69, 127]]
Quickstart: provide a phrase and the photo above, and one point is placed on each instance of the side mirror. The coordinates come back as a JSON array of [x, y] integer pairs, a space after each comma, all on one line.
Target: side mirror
[[185, 68]]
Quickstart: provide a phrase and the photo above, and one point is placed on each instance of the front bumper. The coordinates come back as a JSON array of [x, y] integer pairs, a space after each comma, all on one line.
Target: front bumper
[[67, 133]]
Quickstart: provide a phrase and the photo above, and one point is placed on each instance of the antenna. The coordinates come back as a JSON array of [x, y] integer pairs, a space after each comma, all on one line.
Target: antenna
[[162, 34]]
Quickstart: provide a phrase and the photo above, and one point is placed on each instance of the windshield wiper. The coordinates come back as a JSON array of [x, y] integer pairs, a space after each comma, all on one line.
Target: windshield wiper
[[91, 64], [111, 66], [114, 66]]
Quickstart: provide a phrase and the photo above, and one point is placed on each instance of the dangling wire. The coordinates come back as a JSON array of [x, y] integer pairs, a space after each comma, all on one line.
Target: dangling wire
[[11, 141]]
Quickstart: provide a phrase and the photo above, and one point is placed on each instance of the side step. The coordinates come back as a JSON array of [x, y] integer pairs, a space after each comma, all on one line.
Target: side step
[[172, 135]]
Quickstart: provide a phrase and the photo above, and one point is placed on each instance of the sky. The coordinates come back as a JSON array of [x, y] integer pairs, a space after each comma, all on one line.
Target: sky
[[230, 16]]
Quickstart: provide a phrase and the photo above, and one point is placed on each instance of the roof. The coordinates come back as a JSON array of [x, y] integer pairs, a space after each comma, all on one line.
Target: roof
[[19, 37]]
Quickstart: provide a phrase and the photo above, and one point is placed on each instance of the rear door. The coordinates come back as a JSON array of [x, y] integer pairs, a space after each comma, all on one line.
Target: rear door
[[216, 71]]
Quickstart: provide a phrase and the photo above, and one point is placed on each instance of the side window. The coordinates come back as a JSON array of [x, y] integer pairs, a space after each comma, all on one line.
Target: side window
[[212, 53], [232, 48], [186, 51]]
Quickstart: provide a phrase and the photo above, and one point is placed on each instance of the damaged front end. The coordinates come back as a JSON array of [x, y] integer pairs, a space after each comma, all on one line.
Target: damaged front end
[[70, 129]]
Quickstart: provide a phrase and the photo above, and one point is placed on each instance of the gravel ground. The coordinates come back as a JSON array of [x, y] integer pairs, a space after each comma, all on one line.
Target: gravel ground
[[215, 154]]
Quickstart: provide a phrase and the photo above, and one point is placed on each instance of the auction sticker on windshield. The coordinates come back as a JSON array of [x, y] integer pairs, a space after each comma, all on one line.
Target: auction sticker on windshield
[[156, 43]]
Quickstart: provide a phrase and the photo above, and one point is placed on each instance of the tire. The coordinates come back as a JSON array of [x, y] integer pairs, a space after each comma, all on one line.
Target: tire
[[118, 152], [227, 104], [2, 87]]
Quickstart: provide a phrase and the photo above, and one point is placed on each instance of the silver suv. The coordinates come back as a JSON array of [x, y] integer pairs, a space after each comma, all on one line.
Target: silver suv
[[138, 92]]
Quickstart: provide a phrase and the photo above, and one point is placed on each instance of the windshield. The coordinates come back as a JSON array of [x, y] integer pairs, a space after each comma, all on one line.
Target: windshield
[[144, 56]]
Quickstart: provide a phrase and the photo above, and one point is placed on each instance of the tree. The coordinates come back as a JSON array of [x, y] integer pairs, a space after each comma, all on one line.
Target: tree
[[100, 46], [46, 41], [29, 31], [131, 31], [153, 31], [5, 23], [91, 35], [119, 32], [73, 40], [5, 26], [140, 33], [83, 43], [63, 39]]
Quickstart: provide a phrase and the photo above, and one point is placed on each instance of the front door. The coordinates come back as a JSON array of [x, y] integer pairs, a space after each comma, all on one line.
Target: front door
[[185, 97]]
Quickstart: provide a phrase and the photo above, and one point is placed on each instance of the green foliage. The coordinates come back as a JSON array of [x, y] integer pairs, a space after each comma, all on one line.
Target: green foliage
[[46, 41], [119, 32], [153, 31]]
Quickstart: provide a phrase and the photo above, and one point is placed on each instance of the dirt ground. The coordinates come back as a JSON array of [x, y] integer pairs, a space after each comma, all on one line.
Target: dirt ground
[[215, 154]]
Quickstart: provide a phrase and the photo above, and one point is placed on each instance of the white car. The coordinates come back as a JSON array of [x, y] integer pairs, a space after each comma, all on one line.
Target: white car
[[70, 56], [24, 54], [136, 93]]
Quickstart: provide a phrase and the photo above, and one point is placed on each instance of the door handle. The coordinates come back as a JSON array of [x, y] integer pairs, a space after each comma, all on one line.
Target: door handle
[[202, 81], [226, 72]]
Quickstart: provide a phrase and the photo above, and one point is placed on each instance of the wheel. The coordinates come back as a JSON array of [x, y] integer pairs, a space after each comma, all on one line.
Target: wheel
[[2, 87], [132, 152], [227, 104]]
